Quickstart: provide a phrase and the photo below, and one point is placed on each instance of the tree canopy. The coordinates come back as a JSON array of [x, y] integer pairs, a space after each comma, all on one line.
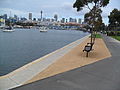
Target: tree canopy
[[114, 18], [95, 12], [80, 4]]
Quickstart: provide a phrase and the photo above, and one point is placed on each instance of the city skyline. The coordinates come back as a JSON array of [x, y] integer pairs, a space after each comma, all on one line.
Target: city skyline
[[62, 8]]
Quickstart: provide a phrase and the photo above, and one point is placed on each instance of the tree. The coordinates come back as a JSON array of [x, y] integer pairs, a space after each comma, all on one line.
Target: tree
[[114, 19], [80, 4], [88, 18]]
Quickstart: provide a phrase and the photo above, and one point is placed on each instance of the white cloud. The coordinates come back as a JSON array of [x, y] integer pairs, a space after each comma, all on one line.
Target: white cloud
[[17, 12], [106, 11], [13, 11], [67, 6]]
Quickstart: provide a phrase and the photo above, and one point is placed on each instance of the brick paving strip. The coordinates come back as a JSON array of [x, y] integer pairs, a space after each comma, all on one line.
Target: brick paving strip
[[74, 59]]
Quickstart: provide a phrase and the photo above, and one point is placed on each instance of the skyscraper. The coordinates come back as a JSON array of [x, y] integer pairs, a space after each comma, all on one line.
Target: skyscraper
[[56, 17], [41, 14], [5, 16], [15, 17], [30, 16], [79, 21], [70, 19], [66, 20], [63, 20]]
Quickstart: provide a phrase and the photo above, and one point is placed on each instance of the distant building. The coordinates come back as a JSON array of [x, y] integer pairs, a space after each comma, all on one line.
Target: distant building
[[5, 16], [48, 19], [23, 19], [52, 20], [72, 20], [2, 22], [75, 20], [56, 17], [41, 12], [30, 16], [63, 20], [79, 21], [39, 19], [44, 19], [66, 20], [34, 19], [16, 18]]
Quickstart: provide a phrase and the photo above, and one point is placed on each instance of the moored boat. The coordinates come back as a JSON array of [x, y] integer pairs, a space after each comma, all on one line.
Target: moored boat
[[43, 29], [8, 29]]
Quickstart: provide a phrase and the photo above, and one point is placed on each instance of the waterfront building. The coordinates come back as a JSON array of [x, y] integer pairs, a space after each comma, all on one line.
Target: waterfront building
[[66, 20], [23, 19], [56, 17], [52, 20], [44, 19], [34, 19], [39, 19], [16, 18], [30, 16], [2, 22], [41, 14], [48, 19], [63, 20], [5, 16], [70, 19], [75, 20], [79, 21]]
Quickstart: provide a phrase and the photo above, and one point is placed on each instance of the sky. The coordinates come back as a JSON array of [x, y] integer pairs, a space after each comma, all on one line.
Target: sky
[[63, 8]]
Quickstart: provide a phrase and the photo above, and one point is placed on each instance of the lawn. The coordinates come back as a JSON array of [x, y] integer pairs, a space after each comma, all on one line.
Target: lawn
[[116, 37], [97, 35]]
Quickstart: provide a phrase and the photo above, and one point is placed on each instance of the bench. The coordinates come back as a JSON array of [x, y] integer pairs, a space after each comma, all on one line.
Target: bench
[[88, 48]]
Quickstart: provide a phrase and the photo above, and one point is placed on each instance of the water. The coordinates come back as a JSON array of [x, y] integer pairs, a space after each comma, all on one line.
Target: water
[[23, 46]]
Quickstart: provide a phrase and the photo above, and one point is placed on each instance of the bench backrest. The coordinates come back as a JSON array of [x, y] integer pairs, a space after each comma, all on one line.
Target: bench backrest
[[88, 48]]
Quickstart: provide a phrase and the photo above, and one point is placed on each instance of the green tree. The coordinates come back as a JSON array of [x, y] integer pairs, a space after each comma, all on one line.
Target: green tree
[[88, 18], [80, 4], [114, 19]]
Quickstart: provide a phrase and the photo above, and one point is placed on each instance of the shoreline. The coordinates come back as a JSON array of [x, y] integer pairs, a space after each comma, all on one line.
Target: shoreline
[[16, 75]]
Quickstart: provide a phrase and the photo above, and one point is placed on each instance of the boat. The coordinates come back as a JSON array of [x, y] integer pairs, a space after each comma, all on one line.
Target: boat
[[43, 29], [8, 29]]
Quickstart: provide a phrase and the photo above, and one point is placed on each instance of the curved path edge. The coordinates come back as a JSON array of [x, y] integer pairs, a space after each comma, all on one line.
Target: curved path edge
[[25, 73]]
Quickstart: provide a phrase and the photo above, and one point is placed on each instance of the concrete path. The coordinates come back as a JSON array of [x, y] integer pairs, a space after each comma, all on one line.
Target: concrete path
[[25, 73], [102, 75], [74, 59]]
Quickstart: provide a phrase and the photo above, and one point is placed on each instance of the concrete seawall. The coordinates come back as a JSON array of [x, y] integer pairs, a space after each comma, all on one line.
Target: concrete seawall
[[28, 71]]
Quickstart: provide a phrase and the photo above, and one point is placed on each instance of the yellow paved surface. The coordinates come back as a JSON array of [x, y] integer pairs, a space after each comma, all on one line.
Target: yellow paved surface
[[74, 59]]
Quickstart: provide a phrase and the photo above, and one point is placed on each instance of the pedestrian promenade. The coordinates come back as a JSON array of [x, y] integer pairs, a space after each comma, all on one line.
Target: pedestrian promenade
[[28, 71], [74, 59], [101, 75]]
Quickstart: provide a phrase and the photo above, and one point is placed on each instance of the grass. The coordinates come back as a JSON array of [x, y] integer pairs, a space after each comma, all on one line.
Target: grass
[[97, 35], [116, 37]]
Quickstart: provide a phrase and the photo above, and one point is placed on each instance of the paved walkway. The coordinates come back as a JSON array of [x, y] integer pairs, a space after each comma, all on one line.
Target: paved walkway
[[102, 75], [74, 59], [27, 72]]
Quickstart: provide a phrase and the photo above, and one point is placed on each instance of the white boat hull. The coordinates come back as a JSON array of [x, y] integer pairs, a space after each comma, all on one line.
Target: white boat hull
[[8, 30], [43, 29]]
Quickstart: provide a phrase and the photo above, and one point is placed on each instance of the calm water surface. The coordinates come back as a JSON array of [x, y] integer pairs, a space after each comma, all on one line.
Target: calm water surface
[[23, 46]]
